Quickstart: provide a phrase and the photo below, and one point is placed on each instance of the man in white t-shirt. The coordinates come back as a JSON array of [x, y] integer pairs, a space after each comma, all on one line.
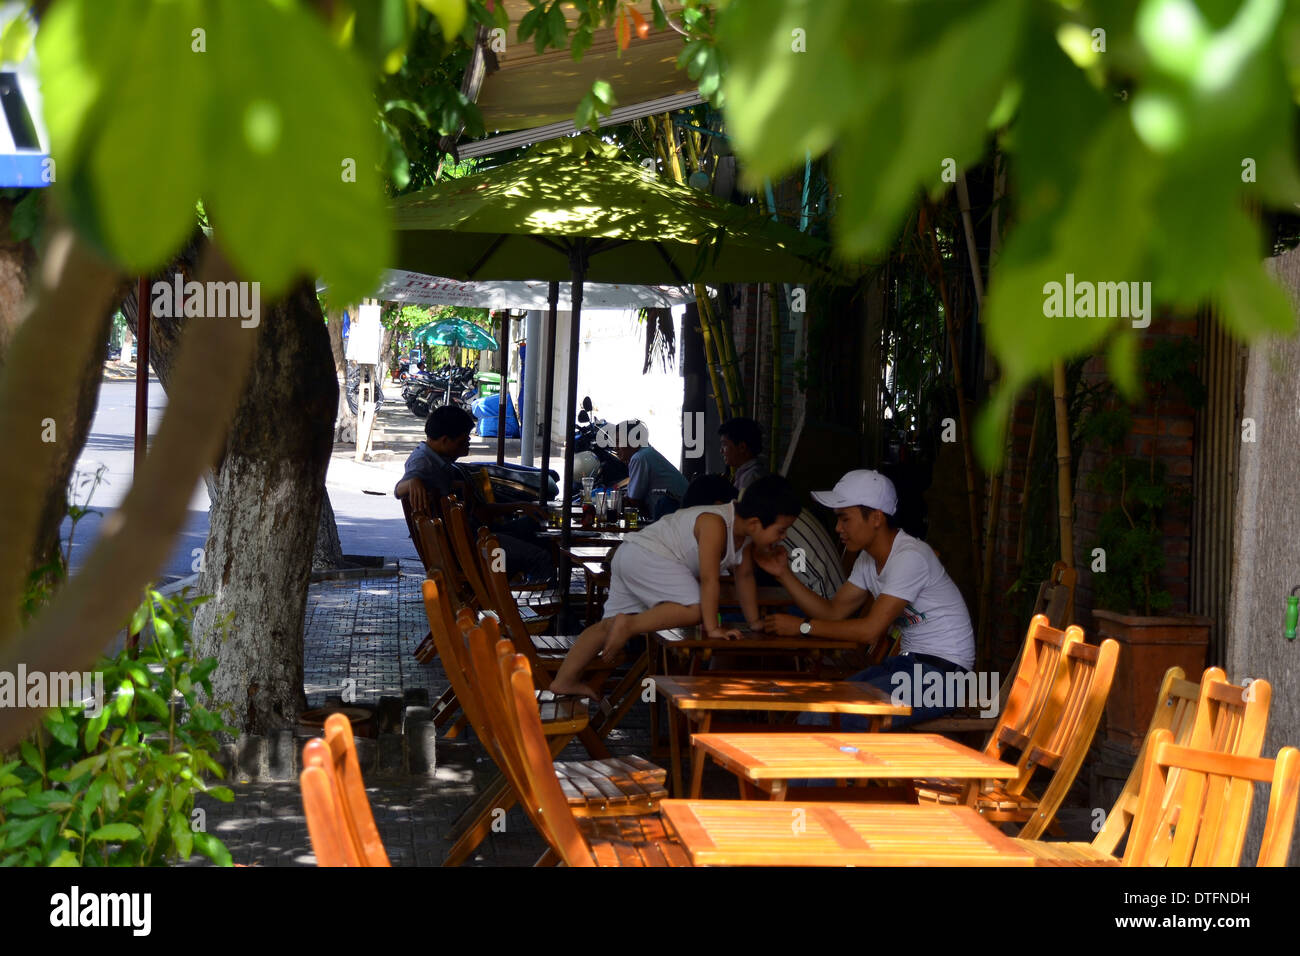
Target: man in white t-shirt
[[909, 591]]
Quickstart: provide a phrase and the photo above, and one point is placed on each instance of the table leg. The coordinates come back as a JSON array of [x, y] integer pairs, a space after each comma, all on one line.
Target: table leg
[[778, 790], [674, 747], [697, 756]]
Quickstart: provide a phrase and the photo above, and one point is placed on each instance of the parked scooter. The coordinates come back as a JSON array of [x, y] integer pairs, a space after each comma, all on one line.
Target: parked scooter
[[449, 385], [593, 455], [354, 387]]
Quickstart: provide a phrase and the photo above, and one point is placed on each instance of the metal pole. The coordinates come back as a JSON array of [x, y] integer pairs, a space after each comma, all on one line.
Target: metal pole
[[142, 369], [578, 265], [553, 298], [504, 395], [528, 411]]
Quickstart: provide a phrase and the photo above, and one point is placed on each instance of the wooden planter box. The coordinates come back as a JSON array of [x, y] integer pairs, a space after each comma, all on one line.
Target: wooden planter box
[[1149, 646]]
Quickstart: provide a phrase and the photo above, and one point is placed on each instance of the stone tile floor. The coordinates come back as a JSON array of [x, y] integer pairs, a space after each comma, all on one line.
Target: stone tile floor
[[366, 630]]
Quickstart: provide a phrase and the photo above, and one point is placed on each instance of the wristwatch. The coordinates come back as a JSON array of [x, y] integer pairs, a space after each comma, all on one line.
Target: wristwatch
[[805, 628]]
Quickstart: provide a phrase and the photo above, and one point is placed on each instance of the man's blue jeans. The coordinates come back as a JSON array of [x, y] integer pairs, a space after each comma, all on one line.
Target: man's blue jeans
[[882, 676]]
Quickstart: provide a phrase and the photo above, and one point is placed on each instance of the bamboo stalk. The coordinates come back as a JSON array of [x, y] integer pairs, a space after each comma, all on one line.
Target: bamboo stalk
[[1064, 493], [776, 378], [963, 421], [1029, 470], [711, 360]]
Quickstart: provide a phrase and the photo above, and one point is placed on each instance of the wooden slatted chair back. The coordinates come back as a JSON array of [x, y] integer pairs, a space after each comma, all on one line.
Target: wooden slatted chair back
[[465, 553], [1041, 670], [329, 841], [1065, 734], [1214, 793], [484, 645], [502, 602], [415, 534], [438, 607], [437, 554], [356, 805], [1230, 719], [484, 482], [1056, 595], [540, 792], [339, 821], [1175, 711]]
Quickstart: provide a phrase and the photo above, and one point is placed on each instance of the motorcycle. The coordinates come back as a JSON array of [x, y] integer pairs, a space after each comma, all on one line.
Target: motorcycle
[[354, 387], [593, 453], [449, 385]]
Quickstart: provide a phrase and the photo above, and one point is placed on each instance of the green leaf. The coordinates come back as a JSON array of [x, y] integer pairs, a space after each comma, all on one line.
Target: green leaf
[[66, 858], [64, 731], [182, 835], [31, 756], [125, 695], [224, 794], [16, 40], [212, 848], [153, 813], [449, 13], [115, 833], [20, 831]]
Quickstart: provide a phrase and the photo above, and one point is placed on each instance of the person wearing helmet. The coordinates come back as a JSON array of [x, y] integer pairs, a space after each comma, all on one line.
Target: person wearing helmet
[[654, 486]]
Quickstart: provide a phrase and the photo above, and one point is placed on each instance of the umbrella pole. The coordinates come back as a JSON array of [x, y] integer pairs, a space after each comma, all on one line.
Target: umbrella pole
[[503, 393], [553, 300], [577, 263]]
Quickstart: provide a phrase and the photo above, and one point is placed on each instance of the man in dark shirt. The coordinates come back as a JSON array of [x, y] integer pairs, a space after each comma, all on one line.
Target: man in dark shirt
[[431, 470]]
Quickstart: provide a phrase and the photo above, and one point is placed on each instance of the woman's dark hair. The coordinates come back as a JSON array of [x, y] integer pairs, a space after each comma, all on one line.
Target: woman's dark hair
[[767, 499], [708, 490], [743, 431], [448, 421]]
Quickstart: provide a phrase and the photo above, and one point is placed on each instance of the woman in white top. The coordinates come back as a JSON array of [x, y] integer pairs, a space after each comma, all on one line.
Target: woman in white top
[[667, 575]]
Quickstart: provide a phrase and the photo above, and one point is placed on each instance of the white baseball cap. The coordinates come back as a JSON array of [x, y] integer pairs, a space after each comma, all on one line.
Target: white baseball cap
[[864, 487]]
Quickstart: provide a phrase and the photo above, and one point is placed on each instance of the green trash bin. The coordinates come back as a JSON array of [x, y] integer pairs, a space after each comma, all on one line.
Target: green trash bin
[[489, 383]]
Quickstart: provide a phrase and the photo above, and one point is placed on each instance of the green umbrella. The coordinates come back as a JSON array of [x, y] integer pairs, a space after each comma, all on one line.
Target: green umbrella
[[529, 219], [456, 332], [558, 215]]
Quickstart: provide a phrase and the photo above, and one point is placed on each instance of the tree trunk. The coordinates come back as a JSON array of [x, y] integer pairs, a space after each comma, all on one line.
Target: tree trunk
[[17, 260], [328, 553], [264, 524], [345, 426]]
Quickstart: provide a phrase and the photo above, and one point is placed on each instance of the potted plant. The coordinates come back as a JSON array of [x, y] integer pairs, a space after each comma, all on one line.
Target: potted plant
[[1131, 604]]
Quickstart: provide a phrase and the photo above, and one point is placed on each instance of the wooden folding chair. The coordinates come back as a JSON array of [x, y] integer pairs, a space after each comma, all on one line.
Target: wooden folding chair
[[608, 840], [541, 601], [1065, 734], [598, 781], [1056, 602], [339, 820], [1040, 675], [1213, 792], [1213, 715]]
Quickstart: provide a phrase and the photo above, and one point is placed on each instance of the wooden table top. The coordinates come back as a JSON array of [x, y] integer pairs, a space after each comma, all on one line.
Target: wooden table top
[[745, 833], [785, 694], [688, 638], [839, 756], [587, 536]]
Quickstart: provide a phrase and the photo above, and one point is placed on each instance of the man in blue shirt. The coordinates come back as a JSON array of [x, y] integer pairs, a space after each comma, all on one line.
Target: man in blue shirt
[[654, 486], [432, 470]]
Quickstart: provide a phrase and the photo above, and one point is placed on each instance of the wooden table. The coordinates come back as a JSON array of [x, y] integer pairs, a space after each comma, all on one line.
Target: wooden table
[[744, 833], [768, 762], [698, 697], [688, 641]]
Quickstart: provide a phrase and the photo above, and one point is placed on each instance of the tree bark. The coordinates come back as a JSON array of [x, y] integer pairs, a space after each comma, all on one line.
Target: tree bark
[[263, 526], [72, 425], [345, 426]]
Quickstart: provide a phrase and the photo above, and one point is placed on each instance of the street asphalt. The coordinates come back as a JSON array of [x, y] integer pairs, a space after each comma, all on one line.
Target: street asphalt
[[369, 518]]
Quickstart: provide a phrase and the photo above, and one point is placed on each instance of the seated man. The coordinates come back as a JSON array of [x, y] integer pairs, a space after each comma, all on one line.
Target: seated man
[[432, 470], [654, 486], [742, 446], [908, 588]]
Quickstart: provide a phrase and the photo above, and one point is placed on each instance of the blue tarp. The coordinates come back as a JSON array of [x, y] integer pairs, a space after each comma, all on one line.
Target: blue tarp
[[487, 411]]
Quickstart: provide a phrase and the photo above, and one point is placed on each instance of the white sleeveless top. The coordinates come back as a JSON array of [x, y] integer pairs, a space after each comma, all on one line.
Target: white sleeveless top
[[673, 537]]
